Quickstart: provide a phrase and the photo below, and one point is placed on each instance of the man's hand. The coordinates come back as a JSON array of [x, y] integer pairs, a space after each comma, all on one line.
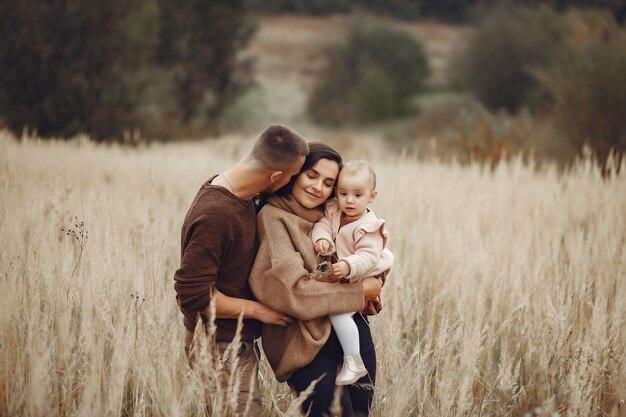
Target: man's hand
[[322, 247], [231, 307], [267, 315], [341, 270]]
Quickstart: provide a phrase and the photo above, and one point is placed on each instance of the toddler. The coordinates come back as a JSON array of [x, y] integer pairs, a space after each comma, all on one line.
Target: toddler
[[359, 239]]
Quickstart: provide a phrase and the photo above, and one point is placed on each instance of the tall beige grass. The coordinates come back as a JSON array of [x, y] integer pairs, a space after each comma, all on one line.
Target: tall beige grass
[[508, 297]]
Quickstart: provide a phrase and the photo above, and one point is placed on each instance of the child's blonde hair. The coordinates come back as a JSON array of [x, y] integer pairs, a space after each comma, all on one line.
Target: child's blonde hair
[[356, 167]]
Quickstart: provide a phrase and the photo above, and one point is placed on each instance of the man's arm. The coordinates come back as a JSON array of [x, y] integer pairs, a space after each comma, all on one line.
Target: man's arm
[[200, 260], [196, 278], [230, 308]]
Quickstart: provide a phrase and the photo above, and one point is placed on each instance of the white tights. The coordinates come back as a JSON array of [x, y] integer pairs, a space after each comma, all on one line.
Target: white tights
[[347, 333]]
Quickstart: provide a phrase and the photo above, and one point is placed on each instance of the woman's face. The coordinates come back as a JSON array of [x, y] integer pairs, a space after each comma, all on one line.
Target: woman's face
[[313, 186]]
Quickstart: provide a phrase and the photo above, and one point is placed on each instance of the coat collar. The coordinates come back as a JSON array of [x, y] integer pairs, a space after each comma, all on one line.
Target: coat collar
[[289, 204]]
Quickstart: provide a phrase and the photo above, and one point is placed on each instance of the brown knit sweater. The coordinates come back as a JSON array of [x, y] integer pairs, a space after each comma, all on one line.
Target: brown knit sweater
[[218, 246], [279, 280]]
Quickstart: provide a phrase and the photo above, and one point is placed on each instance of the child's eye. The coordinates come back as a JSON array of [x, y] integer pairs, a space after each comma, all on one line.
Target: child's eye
[[311, 176], [359, 195]]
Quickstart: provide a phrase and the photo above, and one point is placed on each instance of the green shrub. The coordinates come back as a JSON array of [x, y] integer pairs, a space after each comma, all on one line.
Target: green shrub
[[496, 63], [373, 96], [372, 77]]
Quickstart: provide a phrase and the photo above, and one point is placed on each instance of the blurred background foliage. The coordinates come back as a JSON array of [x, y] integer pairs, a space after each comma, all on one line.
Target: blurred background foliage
[[445, 10], [71, 66], [111, 69], [571, 67], [198, 44], [371, 77], [534, 76], [495, 62]]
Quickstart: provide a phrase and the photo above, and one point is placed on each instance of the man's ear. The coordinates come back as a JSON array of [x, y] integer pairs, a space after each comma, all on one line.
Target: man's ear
[[274, 176], [373, 196]]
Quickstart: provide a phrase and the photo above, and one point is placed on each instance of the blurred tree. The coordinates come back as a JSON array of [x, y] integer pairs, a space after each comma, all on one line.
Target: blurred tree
[[200, 42], [616, 7], [372, 77], [314, 7], [497, 60], [74, 66], [447, 10], [588, 84]]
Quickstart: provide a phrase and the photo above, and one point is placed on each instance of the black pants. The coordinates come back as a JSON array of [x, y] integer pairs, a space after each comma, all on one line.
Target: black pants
[[356, 400]]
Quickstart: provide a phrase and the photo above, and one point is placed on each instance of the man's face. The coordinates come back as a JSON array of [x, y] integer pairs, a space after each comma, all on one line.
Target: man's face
[[285, 176]]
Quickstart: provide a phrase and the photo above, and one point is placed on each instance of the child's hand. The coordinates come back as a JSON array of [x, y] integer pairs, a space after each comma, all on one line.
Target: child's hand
[[340, 270], [322, 247], [330, 279]]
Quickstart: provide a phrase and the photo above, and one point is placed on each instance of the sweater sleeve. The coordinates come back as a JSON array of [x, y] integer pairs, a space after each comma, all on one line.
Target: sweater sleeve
[[203, 244], [370, 241], [283, 283]]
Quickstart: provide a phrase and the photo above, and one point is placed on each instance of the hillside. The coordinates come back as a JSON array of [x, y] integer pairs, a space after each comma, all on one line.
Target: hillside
[[289, 54]]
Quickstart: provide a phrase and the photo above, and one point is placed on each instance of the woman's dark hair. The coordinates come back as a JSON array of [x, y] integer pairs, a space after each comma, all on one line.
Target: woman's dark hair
[[317, 151]]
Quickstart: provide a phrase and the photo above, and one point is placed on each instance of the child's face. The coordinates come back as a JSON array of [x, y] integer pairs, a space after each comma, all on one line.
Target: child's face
[[354, 193]]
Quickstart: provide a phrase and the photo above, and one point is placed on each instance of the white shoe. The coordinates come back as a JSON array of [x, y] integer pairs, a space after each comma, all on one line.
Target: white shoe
[[352, 370]]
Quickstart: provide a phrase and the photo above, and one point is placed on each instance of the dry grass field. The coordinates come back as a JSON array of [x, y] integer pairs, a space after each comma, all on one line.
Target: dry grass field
[[507, 297]]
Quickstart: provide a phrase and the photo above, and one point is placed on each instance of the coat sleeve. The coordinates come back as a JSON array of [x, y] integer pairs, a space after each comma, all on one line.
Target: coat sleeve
[[279, 278]]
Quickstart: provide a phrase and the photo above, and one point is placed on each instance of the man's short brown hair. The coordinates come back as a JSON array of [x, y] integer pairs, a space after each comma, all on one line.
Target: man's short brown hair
[[278, 147]]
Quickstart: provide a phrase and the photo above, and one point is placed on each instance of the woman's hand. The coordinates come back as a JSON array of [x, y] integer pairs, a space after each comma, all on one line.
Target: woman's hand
[[371, 288]]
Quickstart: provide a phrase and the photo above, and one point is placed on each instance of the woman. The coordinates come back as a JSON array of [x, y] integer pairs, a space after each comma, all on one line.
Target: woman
[[308, 350]]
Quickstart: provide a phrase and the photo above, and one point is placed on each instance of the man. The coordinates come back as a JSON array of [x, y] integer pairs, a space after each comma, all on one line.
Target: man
[[218, 247]]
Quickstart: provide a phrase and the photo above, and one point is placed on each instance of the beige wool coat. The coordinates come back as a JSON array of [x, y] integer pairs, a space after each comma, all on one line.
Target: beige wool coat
[[279, 280]]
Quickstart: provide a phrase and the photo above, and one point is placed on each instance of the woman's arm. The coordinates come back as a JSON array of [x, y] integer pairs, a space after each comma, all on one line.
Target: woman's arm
[[279, 278]]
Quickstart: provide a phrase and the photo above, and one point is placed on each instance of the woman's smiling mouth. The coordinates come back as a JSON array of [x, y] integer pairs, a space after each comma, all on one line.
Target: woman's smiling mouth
[[312, 195]]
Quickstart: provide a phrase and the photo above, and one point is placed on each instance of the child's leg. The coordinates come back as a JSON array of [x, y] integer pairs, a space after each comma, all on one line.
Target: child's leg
[[347, 333], [353, 367]]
